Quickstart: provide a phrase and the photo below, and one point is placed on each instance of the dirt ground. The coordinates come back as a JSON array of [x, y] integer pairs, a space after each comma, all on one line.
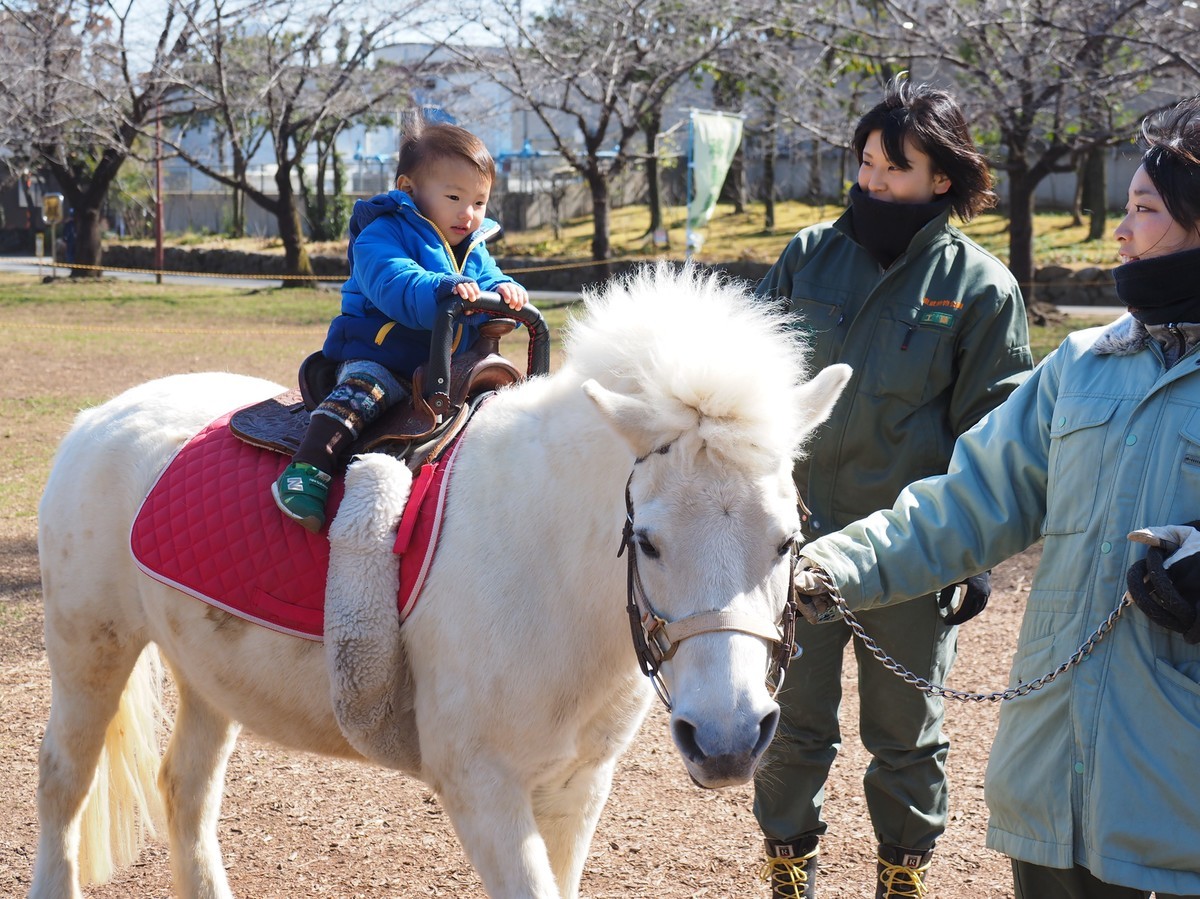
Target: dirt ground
[[300, 825], [296, 825]]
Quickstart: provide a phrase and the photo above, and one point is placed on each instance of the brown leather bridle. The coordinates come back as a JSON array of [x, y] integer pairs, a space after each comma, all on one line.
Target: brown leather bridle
[[655, 639]]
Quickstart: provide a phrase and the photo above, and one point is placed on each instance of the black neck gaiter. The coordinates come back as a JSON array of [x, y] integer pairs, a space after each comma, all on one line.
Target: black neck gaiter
[[1161, 290], [886, 229]]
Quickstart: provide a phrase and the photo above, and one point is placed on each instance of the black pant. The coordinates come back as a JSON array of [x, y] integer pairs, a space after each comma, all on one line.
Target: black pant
[[1038, 882]]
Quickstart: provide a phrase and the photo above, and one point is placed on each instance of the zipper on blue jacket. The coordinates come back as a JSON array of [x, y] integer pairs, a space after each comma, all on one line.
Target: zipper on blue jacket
[[479, 238], [907, 337]]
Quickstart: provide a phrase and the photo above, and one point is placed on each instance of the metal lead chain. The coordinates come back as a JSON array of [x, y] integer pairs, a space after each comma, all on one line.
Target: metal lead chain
[[1022, 689]]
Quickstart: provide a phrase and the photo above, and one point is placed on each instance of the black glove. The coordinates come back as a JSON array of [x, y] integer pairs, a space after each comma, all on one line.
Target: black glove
[[1166, 584], [977, 590]]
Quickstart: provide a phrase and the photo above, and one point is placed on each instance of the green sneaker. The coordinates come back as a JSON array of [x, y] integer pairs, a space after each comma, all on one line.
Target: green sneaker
[[301, 492]]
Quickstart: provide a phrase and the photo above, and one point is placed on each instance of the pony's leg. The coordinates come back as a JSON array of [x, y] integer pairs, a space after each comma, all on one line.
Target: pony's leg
[[493, 817], [192, 779], [567, 816], [86, 685]]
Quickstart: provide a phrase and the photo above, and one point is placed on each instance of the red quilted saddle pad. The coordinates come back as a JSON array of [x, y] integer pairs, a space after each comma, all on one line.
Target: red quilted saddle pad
[[210, 528]]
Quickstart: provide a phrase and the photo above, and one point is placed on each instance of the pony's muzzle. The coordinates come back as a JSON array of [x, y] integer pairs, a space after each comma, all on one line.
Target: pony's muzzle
[[712, 754]]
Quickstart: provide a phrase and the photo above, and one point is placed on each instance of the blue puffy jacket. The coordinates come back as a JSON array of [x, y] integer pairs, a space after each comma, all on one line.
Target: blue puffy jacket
[[400, 268]]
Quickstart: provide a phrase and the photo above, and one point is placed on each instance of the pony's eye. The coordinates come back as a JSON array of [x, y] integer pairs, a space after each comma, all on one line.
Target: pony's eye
[[786, 546], [647, 548]]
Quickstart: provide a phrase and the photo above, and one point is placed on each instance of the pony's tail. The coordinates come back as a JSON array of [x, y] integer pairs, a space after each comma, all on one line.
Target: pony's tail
[[125, 806]]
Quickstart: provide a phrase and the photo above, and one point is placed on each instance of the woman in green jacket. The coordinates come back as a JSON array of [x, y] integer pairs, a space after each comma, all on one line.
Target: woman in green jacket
[[1093, 782], [935, 330]]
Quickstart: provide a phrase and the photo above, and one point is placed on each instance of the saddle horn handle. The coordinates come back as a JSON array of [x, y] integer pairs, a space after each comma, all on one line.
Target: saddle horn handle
[[450, 310]]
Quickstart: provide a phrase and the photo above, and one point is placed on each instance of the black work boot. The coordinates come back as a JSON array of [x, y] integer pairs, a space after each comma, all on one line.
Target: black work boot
[[902, 872], [791, 868]]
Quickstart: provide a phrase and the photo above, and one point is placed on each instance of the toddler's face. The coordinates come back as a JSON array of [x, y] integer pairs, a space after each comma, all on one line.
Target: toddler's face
[[452, 194]]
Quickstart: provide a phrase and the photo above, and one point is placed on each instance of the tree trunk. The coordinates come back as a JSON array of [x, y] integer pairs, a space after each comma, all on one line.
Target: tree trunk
[[1095, 191], [291, 233], [653, 185], [600, 234], [1077, 202], [770, 152], [237, 224], [89, 246], [768, 181], [734, 188], [1020, 233]]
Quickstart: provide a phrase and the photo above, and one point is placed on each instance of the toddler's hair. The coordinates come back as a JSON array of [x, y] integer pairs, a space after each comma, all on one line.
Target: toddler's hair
[[428, 143]]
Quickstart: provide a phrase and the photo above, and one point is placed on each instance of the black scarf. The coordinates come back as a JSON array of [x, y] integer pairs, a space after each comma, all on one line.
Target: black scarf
[[886, 229], [1162, 289]]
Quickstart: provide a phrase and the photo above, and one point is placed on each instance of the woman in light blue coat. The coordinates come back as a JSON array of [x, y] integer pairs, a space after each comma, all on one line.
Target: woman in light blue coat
[[1093, 784]]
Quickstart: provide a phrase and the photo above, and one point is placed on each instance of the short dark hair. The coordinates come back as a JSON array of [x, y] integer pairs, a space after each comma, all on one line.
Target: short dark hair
[[934, 122], [1172, 160], [431, 142]]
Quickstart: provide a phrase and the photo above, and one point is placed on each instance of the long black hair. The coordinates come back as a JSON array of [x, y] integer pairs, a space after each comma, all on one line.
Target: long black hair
[[1172, 160], [934, 122]]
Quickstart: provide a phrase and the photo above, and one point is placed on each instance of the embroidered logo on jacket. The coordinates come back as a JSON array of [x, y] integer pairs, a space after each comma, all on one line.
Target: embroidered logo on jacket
[[938, 312]]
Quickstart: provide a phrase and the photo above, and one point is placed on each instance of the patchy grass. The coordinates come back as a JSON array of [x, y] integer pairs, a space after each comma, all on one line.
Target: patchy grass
[[70, 345]]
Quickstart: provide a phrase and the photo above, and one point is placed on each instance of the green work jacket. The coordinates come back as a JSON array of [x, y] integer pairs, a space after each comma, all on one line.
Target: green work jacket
[[936, 341]]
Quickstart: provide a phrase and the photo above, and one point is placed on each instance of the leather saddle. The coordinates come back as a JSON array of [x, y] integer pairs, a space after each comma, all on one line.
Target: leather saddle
[[444, 392]]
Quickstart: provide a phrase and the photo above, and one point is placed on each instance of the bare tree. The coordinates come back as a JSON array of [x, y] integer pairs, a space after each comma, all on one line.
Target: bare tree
[[1050, 79], [789, 86], [595, 71], [286, 80], [74, 98]]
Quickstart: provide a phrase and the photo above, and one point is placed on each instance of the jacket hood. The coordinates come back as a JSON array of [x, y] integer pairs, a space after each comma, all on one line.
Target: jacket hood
[[1123, 337], [392, 202]]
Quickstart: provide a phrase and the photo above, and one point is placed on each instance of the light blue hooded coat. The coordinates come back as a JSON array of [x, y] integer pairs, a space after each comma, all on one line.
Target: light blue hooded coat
[[1100, 768]]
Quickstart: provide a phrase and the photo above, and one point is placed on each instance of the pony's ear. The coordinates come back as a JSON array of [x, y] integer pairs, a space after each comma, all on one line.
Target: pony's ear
[[631, 418], [817, 396]]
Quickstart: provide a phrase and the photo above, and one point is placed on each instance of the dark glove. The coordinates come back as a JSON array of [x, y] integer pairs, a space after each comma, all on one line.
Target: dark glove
[[975, 593], [1166, 584]]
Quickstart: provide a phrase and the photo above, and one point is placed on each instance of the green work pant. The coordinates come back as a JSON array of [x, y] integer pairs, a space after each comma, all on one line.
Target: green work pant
[[1039, 882], [905, 783]]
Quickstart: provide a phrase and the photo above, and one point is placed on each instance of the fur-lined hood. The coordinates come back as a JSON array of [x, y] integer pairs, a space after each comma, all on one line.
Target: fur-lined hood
[[1123, 337], [1127, 335]]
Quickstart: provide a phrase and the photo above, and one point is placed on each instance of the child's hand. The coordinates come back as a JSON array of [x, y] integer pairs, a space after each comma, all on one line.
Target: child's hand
[[468, 290], [513, 294]]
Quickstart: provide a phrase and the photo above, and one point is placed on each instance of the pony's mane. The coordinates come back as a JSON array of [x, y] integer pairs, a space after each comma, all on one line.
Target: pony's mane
[[699, 349]]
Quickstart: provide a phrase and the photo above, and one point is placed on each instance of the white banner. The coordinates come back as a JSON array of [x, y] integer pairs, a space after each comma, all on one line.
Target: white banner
[[714, 141]]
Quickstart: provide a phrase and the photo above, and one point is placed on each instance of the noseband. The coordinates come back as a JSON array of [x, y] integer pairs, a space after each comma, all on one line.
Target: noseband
[[655, 639]]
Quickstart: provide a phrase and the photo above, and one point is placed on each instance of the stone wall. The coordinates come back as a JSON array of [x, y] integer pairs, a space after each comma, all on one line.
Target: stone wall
[[215, 261], [1062, 286]]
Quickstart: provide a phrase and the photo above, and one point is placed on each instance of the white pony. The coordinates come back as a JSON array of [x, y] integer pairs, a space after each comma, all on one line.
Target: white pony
[[677, 390]]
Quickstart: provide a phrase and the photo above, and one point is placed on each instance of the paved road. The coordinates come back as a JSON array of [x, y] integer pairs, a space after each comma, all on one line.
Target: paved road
[[1113, 311], [28, 265]]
